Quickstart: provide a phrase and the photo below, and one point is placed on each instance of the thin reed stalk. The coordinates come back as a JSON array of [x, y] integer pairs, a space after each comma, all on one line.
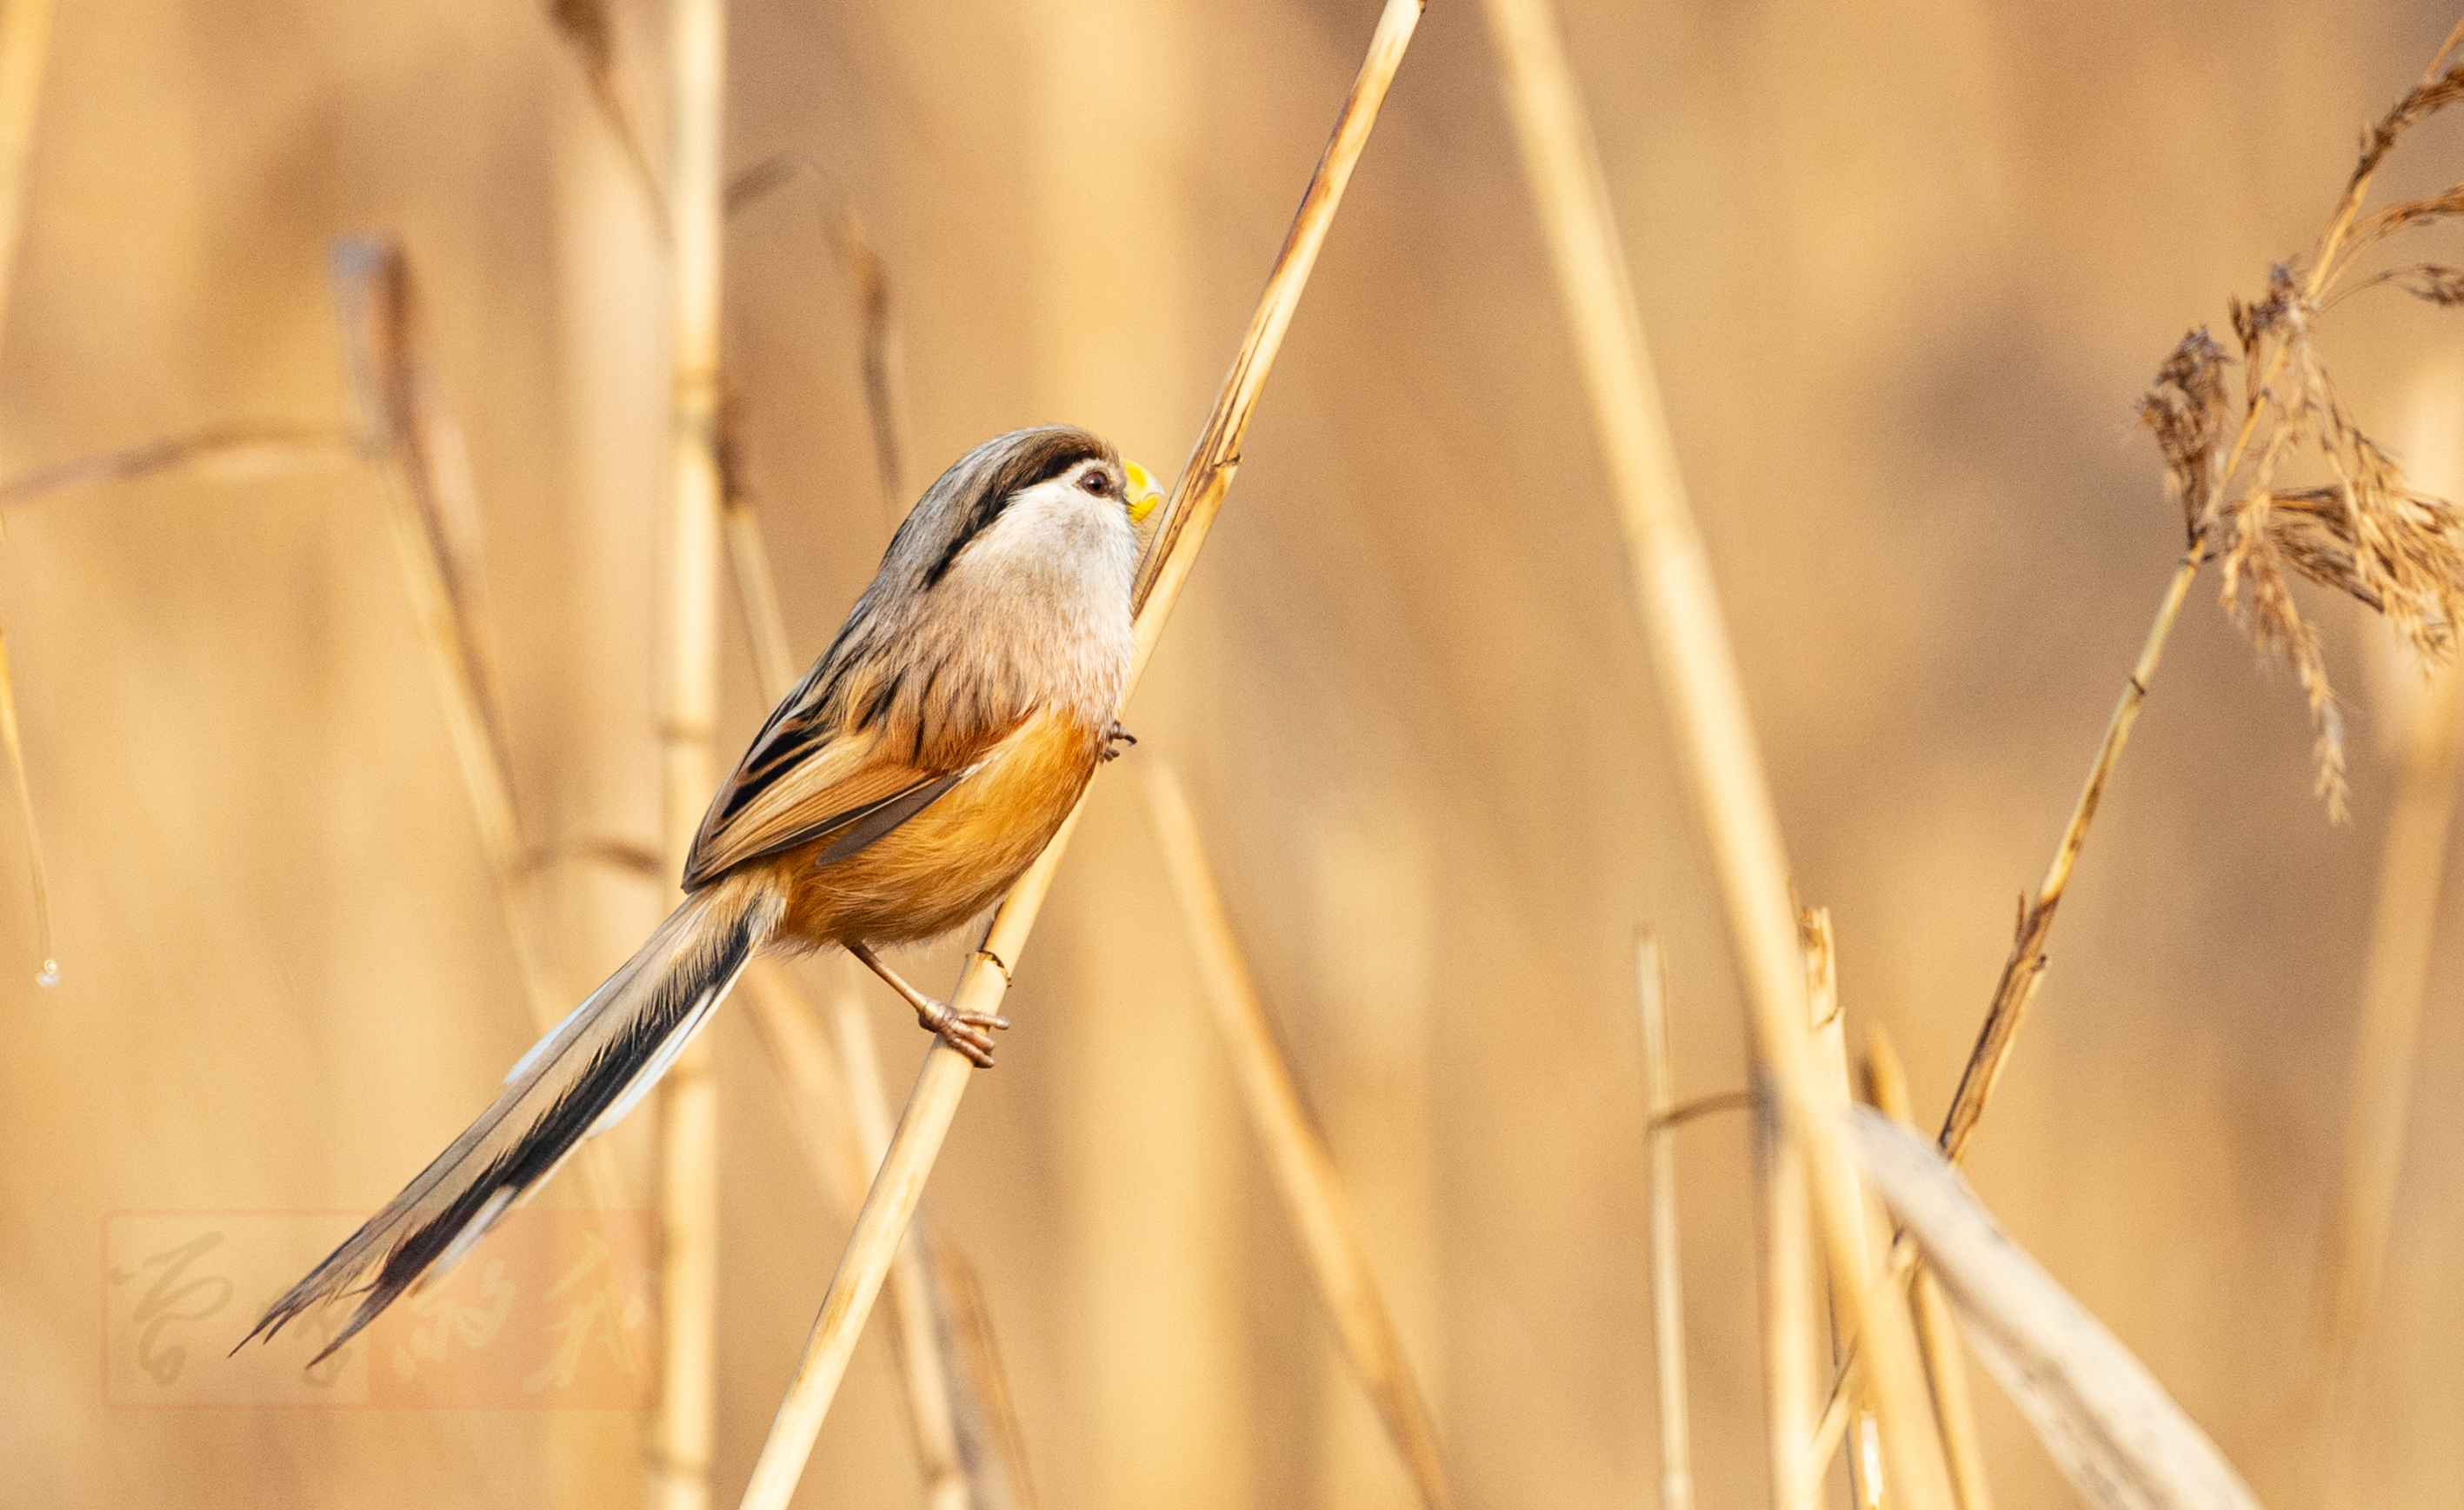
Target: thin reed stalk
[[942, 1084], [2025, 968], [589, 29], [1303, 1166], [237, 450], [688, 1096], [2395, 984], [1667, 1286], [1954, 1406], [25, 52], [1698, 677], [1786, 1283]]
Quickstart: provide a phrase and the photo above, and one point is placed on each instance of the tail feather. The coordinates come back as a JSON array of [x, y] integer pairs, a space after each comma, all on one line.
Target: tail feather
[[578, 1080]]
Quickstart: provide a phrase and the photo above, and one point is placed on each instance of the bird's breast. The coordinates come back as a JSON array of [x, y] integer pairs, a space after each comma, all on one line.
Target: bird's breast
[[956, 857]]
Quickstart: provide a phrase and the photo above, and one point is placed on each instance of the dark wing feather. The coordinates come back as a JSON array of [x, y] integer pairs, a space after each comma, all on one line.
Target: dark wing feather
[[808, 776]]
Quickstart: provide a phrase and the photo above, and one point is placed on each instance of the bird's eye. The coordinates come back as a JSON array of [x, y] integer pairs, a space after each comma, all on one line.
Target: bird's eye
[[1098, 482]]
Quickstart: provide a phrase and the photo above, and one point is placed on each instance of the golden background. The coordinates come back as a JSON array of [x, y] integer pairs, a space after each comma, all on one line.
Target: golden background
[[1906, 267]]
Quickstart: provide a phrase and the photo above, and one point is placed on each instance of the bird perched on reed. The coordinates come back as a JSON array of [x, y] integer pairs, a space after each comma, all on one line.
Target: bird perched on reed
[[921, 764]]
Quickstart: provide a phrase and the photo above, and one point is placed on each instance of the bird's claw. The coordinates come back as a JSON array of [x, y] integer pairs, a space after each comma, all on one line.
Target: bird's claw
[[970, 1033], [1114, 738]]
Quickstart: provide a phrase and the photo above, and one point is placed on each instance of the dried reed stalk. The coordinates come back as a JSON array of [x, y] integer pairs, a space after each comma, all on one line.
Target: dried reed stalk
[[1786, 1276], [589, 29], [1316, 1203], [841, 1119], [818, 1086], [435, 521], [942, 1084], [1828, 1026], [2403, 926], [1696, 674], [1887, 1087], [2368, 535], [1668, 1290], [25, 48], [2118, 1437], [237, 450], [688, 1096]]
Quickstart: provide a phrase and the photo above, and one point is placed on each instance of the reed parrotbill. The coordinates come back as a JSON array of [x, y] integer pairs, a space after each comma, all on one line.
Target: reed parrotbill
[[920, 765]]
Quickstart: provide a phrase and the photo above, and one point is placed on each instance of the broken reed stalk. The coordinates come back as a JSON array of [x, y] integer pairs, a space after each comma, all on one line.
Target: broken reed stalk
[[404, 427], [1667, 1287], [688, 1096], [1314, 1201], [25, 50], [1887, 1087], [869, 278], [2395, 985], [1697, 673], [942, 1084], [2116, 1434], [1828, 1026], [2367, 535], [432, 516], [833, 1095]]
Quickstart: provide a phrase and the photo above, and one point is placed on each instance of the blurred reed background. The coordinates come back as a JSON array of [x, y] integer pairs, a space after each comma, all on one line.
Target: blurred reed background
[[1905, 265]]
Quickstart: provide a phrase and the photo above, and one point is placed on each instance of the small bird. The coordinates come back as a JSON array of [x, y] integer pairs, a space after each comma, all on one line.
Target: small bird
[[921, 764]]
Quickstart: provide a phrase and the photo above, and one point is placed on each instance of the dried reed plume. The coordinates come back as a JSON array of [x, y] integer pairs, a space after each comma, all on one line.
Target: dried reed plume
[[2396, 983], [1180, 533], [2367, 533]]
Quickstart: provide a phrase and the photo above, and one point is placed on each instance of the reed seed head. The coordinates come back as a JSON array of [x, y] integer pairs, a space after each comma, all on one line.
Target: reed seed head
[[2364, 532]]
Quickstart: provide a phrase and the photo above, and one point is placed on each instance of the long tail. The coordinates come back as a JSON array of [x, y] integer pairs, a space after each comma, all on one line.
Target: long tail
[[582, 1079]]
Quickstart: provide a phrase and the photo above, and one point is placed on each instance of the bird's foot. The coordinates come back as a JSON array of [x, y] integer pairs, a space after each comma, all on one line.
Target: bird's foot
[[1115, 738], [970, 1033]]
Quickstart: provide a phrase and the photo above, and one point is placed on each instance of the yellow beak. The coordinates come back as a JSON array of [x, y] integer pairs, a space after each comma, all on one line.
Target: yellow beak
[[1144, 492]]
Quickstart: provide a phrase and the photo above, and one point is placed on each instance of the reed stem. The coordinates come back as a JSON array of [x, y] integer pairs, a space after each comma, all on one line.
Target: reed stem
[[1886, 1087], [1303, 1166], [1667, 1287], [688, 1096], [1697, 672], [25, 52], [942, 1084]]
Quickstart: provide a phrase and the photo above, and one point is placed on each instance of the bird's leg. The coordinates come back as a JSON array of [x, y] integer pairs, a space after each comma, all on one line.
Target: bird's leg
[[1114, 738], [968, 1032]]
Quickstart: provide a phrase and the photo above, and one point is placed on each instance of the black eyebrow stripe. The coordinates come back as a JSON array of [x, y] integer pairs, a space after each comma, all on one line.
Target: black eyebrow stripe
[[1045, 456]]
